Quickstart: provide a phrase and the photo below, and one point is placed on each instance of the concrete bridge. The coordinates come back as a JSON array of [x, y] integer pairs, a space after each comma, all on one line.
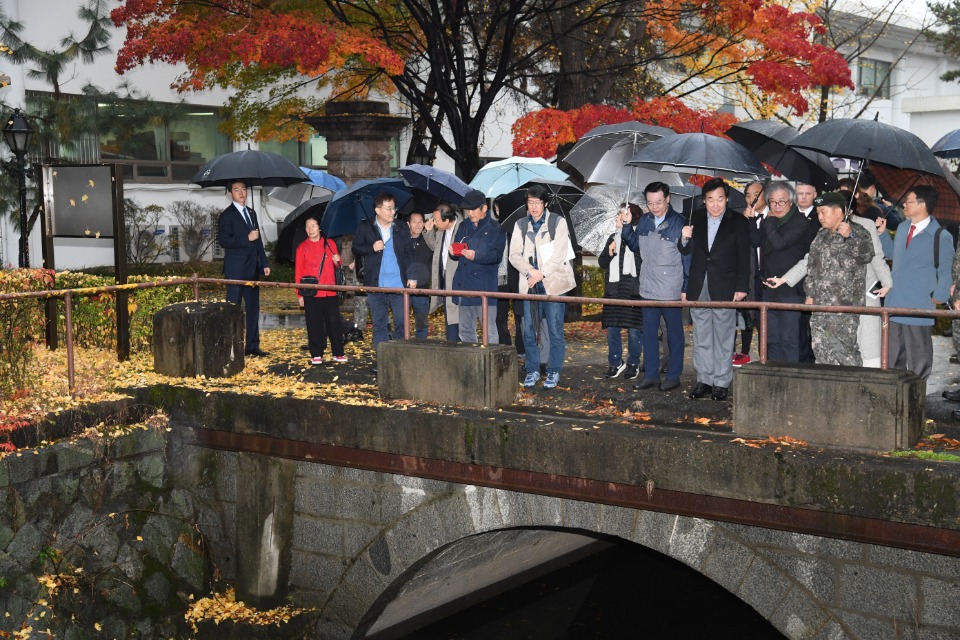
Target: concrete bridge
[[377, 515]]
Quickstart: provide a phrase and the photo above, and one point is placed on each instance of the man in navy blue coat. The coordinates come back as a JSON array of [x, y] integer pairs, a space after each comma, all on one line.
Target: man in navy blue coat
[[244, 259], [478, 265]]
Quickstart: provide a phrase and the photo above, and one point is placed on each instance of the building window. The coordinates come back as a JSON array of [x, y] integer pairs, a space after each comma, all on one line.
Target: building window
[[289, 149], [152, 141], [873, 78]]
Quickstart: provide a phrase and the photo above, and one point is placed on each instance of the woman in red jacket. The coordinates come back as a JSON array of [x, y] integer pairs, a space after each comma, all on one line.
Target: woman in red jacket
[[316, 256]]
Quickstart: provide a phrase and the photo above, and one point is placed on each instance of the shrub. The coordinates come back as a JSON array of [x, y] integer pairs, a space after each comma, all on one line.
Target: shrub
[[94, 316], [21, 324]]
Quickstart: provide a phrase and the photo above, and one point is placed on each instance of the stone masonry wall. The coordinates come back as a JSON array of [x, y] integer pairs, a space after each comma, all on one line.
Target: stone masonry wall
[[357, 532], [96, 535]]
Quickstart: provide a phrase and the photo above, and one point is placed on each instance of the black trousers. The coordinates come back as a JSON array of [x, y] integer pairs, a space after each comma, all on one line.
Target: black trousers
[[323, 321], [503, 311]]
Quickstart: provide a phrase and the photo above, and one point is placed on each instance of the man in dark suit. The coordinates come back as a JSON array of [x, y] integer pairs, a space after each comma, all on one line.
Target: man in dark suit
[[718, 242], [244, 259]]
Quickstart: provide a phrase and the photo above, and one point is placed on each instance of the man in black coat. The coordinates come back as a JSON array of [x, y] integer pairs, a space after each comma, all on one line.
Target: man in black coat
[[244, 259], [783, 239], [719, 245]]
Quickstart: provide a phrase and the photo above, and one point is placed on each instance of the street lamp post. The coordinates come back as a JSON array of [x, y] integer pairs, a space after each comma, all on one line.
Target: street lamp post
[[18, 134], [421, 155]]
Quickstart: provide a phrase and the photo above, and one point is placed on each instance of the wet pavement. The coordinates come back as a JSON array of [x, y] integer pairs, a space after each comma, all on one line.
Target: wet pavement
[[584, 389]]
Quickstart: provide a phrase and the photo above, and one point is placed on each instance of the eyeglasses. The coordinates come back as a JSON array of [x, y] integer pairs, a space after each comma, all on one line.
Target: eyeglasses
[[387, 208], [911, 202], [779, 203], [535, 203]]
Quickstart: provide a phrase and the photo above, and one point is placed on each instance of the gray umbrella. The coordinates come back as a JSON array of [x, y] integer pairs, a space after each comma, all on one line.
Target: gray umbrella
[[602, 154], [702, 154]]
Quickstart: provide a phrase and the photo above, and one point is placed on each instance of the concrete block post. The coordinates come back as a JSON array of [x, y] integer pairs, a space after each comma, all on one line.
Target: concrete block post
[[198, 338], [471, 375], [830, 405], [265, 501]]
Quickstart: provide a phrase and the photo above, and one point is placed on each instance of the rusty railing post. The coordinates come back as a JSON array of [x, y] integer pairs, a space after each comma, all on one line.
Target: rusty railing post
[[762, 334], [68, 329], [196, 287], [406, 315], [484, 305], [884, 340]]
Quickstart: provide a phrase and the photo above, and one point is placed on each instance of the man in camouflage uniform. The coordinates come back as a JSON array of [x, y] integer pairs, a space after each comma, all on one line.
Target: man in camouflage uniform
[[836, 276]]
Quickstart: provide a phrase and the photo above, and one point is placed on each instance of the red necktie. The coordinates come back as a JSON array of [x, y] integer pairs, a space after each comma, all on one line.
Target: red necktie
[[913, 228]]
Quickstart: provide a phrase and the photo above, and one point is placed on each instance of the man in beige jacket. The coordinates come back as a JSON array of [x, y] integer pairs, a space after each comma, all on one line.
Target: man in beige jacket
[[540, 249]]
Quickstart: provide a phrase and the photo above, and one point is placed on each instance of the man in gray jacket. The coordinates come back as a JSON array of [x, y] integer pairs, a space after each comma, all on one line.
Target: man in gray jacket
[[663, 276]]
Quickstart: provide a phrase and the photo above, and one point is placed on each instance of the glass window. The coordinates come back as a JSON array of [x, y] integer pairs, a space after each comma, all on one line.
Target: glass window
[[289, 149], [194, 136], [315, 152], [873, 75]]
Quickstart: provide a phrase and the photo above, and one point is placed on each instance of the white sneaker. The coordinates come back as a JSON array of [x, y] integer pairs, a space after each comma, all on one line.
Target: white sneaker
[[317, 360], [553, 379], [531, 379]]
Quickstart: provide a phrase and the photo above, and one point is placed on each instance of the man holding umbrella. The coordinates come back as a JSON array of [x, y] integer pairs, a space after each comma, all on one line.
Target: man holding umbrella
[[663, 276], [244, 259]]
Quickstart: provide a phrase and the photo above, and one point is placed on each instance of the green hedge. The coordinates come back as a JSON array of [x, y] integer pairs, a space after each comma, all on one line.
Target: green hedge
[[21, 325], [94, 316]]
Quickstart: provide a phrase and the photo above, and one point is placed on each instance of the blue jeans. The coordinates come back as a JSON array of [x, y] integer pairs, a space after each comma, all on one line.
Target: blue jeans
[[380, 306], [651, 342], [615, 346], [553, 313], [421, 315]]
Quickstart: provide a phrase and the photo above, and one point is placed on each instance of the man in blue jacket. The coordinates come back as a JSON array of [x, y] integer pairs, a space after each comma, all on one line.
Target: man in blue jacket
[[244, 259], [663, 276], [922, 255], [385, 245], [478, 265]]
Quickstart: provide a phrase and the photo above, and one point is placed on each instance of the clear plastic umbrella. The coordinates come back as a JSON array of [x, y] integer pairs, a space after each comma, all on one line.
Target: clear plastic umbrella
[[594, 215]]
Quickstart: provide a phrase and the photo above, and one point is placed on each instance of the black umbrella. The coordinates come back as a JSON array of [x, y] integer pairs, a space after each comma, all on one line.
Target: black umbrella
[[948, 146], [702, 154], [443, 185], [293, 231], [563, 196], [768, 142], [869, 140], [255, 168]]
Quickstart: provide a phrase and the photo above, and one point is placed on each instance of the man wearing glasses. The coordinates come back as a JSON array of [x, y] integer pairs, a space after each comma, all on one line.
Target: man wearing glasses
[[386, 246], [783, 239], [922, 255]]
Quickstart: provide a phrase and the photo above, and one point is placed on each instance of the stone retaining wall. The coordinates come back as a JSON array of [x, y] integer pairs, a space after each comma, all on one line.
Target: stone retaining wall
[[105, 522]]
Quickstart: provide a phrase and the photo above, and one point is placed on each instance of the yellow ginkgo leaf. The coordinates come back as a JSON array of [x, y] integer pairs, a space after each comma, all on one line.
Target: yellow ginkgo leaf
[[84, 198], [73, 202], [90, 182]]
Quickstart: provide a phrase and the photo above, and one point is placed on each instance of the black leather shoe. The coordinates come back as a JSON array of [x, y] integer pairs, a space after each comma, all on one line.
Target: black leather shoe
[[700, 390], [952, 395], [647, 383], [719, 394], [256, 353], [954, 359], [955, 415], [669, 385]]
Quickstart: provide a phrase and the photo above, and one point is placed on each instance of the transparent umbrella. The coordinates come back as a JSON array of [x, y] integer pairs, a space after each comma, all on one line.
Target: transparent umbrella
[[594, 215]]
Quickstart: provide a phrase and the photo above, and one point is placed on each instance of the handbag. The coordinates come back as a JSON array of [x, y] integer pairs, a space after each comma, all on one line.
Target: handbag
[[339, 277], [308, 293]]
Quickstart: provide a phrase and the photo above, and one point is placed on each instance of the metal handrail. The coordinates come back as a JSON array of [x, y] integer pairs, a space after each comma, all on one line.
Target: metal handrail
[[764, 307]]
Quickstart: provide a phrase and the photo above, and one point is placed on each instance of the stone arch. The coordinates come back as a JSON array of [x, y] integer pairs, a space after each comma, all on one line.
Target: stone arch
[[730, 555]]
